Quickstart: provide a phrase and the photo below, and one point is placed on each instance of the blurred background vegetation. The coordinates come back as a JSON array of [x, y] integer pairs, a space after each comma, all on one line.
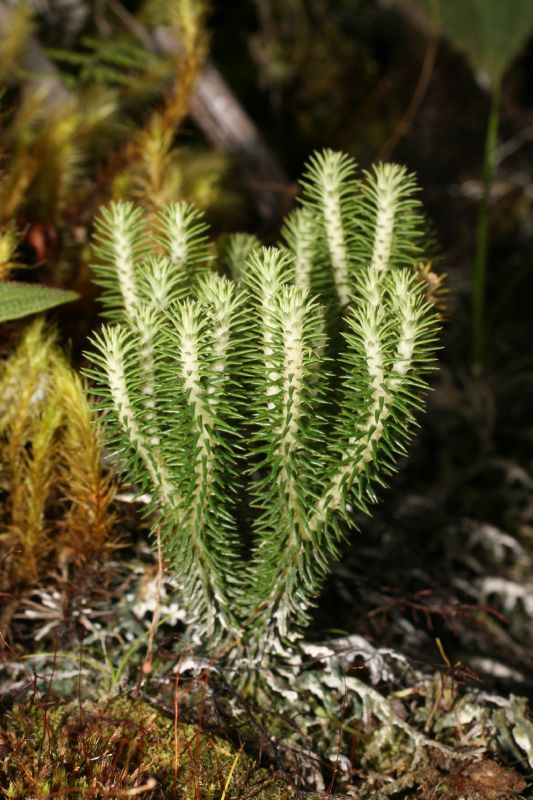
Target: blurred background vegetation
[[222, 102]]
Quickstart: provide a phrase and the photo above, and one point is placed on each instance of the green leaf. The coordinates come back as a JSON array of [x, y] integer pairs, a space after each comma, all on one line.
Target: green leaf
[[21, 299], [490, 32]]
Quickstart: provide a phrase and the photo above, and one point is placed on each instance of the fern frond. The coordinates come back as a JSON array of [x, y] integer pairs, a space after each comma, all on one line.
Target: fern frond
[[124, 54], [67, 56], [100, 61]]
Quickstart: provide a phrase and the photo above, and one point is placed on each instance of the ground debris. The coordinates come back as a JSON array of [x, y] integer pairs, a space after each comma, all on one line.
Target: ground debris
[[483, 779], [486, 780]]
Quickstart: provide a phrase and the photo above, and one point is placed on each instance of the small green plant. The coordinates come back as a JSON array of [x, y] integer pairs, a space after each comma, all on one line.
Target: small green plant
[[491, 34], [257, 412]]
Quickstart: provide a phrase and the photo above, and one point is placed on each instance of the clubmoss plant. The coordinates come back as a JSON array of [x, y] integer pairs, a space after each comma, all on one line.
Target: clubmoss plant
[[259, 412]]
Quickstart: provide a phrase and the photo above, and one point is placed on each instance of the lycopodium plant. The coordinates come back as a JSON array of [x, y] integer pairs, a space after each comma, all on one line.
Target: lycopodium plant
[[258, 411]]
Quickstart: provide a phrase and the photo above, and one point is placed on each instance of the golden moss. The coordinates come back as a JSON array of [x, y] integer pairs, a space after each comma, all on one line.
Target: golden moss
[[57, 498], [86, 492], [28, 429], [19, 28], [153, 175], [8, 249], [122, 748]]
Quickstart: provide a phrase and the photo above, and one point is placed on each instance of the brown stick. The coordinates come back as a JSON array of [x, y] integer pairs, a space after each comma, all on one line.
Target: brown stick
[[415, 102], [224, 122], [217, 112]]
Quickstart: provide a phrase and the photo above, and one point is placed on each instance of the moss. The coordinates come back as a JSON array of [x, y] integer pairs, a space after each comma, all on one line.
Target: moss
[[57, 512], [89, 751]]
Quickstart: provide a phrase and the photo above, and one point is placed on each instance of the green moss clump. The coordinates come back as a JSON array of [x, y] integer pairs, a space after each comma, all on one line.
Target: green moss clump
[[108, 750]]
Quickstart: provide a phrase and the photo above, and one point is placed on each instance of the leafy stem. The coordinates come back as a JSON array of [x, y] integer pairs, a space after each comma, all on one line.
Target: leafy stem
[[479, 279]]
